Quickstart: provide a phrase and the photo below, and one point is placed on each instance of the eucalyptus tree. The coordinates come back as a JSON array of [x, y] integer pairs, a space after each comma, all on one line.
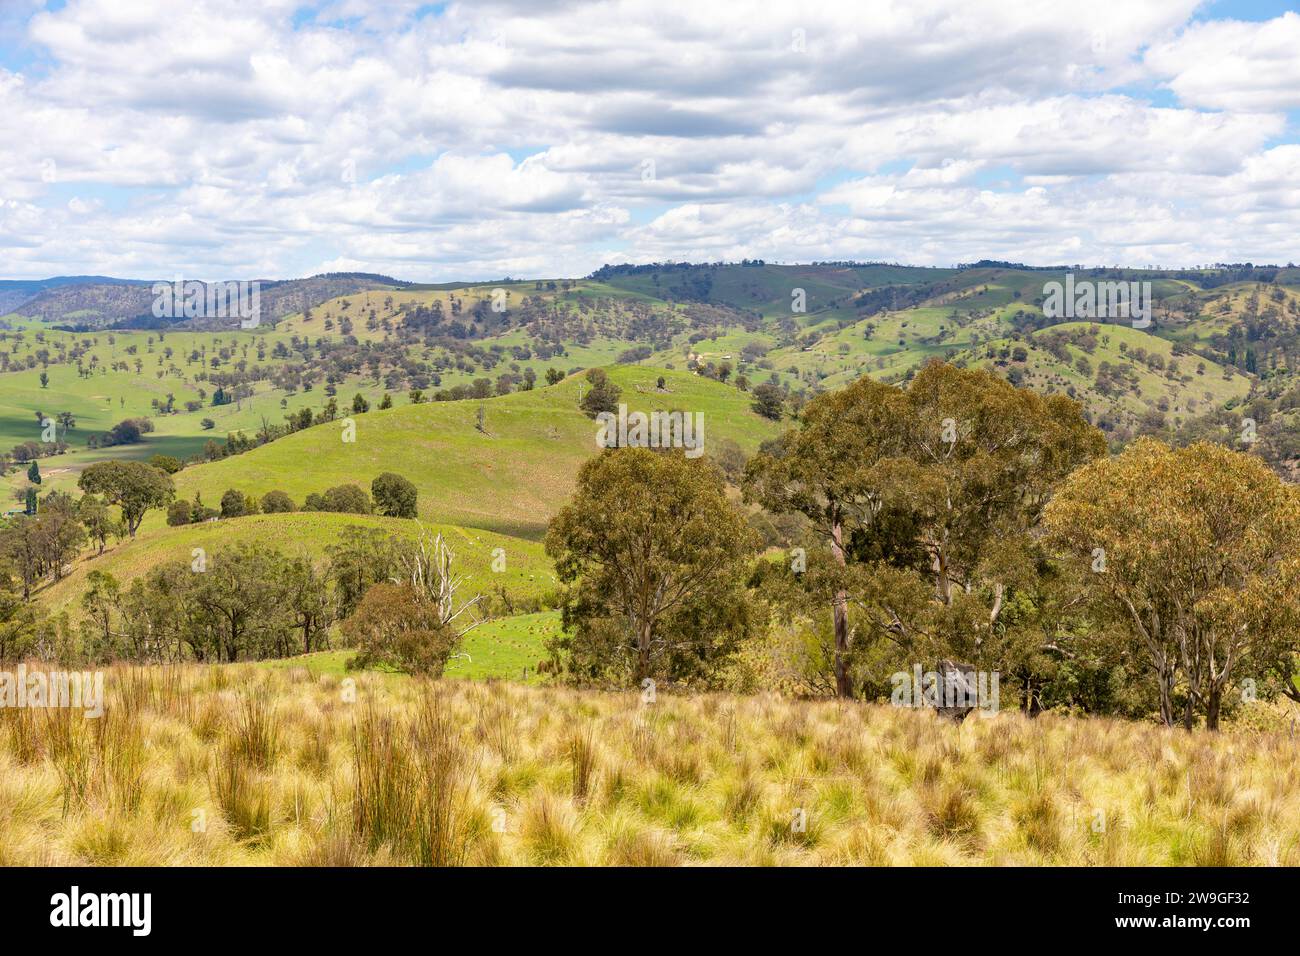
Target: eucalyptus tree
[[1196, 552], [945, 480], [654, 556]]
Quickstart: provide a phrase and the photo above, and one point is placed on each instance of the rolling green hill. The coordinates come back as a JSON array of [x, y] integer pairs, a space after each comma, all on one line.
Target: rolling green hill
[[1120, 374], [767, 289], [492, 471], [510, 477], [100, 304], [1220, 340], [528, 572]]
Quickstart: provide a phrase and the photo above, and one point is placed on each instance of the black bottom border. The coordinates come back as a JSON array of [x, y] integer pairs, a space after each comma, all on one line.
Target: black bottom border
[[499, 905]]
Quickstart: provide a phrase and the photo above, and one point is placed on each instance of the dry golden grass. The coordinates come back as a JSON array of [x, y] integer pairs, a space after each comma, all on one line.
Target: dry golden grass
[[243, 765]]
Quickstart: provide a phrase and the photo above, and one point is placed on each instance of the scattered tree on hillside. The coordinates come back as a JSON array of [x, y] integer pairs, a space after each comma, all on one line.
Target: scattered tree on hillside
[[178, 513], [277, 502], [601, 394], [236, 504], [131, 485], [347, 499], [129, 431], [97, 521], [394, 496], [826, 470], [360, 558], [393, 626], [310, 599], [241, 594], [769, 401]]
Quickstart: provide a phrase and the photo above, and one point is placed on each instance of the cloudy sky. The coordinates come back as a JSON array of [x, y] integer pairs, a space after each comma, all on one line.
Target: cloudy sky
[[228, 139]]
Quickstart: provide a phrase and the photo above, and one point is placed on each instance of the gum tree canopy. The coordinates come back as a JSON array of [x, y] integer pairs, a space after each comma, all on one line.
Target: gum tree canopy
[[1196, 552], [655, 558], [131, 485], [827, 470], [956, 468]]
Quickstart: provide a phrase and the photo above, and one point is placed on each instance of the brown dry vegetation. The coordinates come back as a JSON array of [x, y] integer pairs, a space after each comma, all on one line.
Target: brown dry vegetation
[[240, 765]]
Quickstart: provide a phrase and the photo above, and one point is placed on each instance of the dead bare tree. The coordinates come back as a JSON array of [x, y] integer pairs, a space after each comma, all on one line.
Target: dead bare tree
[[429, 570]]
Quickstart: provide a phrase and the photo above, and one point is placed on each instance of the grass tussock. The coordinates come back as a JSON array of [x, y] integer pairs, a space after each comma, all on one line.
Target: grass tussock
[[206, 766]]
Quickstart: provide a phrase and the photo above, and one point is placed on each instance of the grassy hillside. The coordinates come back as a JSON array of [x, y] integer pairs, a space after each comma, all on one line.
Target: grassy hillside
[[882, 321], [767, 289], [99, 304], [1119, 373], [488, 489], [528, 572], [510, 477], [118, 388]]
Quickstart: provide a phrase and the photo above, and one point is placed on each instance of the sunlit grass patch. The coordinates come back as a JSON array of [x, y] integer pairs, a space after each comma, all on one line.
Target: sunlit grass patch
[[210, 766]]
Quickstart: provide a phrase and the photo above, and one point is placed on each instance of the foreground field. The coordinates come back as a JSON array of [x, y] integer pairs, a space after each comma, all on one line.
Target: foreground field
[[248, 765]]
